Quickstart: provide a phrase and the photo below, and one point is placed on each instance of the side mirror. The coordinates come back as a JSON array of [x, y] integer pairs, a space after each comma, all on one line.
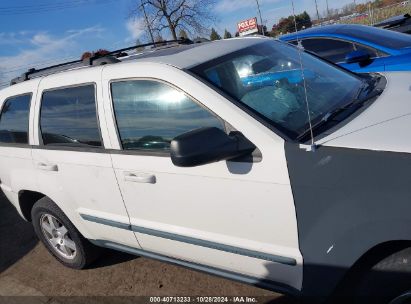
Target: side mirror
[[359, 56], [207, 145]]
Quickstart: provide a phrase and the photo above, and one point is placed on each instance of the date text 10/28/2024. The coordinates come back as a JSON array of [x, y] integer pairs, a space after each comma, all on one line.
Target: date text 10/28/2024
[[199, 299]]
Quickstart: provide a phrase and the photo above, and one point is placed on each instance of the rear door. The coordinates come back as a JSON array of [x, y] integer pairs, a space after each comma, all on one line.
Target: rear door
[[236, 216], [72, 163], [16, 168]]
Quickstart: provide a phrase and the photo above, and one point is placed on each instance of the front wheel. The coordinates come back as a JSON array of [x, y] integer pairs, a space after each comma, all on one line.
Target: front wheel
[[383, 281], [60, 237]]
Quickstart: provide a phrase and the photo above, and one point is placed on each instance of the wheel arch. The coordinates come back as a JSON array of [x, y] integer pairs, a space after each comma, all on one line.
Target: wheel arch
[[367, 260], [27, 199], [378, 253]]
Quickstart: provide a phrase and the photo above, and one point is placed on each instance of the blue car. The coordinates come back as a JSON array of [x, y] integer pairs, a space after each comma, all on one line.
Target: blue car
[[358, 48]]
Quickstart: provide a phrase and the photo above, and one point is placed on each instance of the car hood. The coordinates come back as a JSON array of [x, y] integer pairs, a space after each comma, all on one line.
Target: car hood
[[385, 125]]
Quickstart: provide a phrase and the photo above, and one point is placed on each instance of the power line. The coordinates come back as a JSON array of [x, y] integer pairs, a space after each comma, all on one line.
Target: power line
[[118, 44], [52, 5], [44, 8], [48, 62], [39, 5]]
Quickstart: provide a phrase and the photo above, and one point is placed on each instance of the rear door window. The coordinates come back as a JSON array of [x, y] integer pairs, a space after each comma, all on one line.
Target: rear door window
[[14, 120], [68, 116]]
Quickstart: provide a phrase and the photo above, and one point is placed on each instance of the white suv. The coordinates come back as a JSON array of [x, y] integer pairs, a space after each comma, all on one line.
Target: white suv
[[226, 157]]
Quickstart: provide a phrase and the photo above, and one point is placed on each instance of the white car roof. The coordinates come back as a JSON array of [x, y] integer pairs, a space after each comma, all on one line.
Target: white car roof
[[180, 56], [187, 56]]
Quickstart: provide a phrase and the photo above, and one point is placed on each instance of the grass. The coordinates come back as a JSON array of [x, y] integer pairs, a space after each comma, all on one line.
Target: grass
[[380, 14]]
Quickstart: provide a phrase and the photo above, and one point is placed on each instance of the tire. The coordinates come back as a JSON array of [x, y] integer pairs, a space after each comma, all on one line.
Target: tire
[[60, 237], [382, 281]]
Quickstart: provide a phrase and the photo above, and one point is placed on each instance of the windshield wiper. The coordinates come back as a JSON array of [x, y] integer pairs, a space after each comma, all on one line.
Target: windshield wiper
[[328, 117], [354, 105]]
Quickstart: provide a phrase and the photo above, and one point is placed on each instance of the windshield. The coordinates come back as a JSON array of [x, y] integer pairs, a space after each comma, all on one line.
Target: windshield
[[385, 38], [266, 78]]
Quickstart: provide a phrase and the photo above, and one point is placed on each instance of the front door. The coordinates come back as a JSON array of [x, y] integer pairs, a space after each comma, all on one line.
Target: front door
[[236, 216]]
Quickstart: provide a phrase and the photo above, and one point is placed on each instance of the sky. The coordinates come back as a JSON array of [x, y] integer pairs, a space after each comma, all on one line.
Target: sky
[[45, 32]]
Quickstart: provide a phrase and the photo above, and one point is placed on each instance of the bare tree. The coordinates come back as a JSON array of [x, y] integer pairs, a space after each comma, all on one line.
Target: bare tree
[[192, 16]]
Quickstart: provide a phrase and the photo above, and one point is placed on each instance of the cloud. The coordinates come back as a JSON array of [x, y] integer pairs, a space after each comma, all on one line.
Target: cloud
[[12, 38], [41, 39], [43, 50], [136, 29], [275, 10], [232, 6]]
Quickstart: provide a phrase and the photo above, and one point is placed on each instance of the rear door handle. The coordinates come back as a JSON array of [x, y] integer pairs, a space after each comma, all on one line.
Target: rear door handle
[[145, 178], [47, 167]]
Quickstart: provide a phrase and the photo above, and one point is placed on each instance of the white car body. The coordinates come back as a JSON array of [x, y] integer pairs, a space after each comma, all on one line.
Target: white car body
[[234, 219]]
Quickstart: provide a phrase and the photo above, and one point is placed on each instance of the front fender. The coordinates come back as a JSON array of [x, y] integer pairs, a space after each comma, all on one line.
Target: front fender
[[347, 201]]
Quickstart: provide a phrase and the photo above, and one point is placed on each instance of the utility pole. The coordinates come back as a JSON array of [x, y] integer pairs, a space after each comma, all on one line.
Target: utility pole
[[371, 14], [328, 10], [318, 15], [261, 18], [147, 23]]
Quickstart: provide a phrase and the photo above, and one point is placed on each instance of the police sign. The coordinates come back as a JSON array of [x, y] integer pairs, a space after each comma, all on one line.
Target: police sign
[[247, 27]]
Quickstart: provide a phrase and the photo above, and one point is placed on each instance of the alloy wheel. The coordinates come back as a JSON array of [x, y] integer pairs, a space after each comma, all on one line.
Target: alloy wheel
[[58, 236]]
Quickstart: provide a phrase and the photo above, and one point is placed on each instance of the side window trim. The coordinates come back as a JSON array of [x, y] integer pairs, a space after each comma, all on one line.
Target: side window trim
[[15, 96], [30, 94], [294, 41], [61, 147], [150, 152]]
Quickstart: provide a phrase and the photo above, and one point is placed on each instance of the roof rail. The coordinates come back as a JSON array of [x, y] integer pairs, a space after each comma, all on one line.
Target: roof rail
[[97, 59]]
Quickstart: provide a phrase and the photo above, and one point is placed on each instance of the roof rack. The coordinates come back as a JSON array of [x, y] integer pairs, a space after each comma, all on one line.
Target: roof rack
[[97, 59]]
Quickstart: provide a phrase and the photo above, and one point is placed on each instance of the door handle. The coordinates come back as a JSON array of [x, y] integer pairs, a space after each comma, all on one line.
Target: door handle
[[47, 167], [145, 178]]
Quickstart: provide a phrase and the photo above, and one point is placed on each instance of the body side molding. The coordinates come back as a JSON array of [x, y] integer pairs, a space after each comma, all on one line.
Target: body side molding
[[262, 283], [194, 241]]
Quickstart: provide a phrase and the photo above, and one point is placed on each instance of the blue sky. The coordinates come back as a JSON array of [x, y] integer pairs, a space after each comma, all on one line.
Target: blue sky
[[45, 32]]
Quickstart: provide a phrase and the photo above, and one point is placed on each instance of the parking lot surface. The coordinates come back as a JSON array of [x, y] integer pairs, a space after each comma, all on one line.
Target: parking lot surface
[[27, 269]]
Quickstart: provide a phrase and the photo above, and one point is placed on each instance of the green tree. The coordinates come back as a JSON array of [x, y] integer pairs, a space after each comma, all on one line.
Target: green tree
[[227, 34], [214, 35], [288, 25], [303, 21]]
